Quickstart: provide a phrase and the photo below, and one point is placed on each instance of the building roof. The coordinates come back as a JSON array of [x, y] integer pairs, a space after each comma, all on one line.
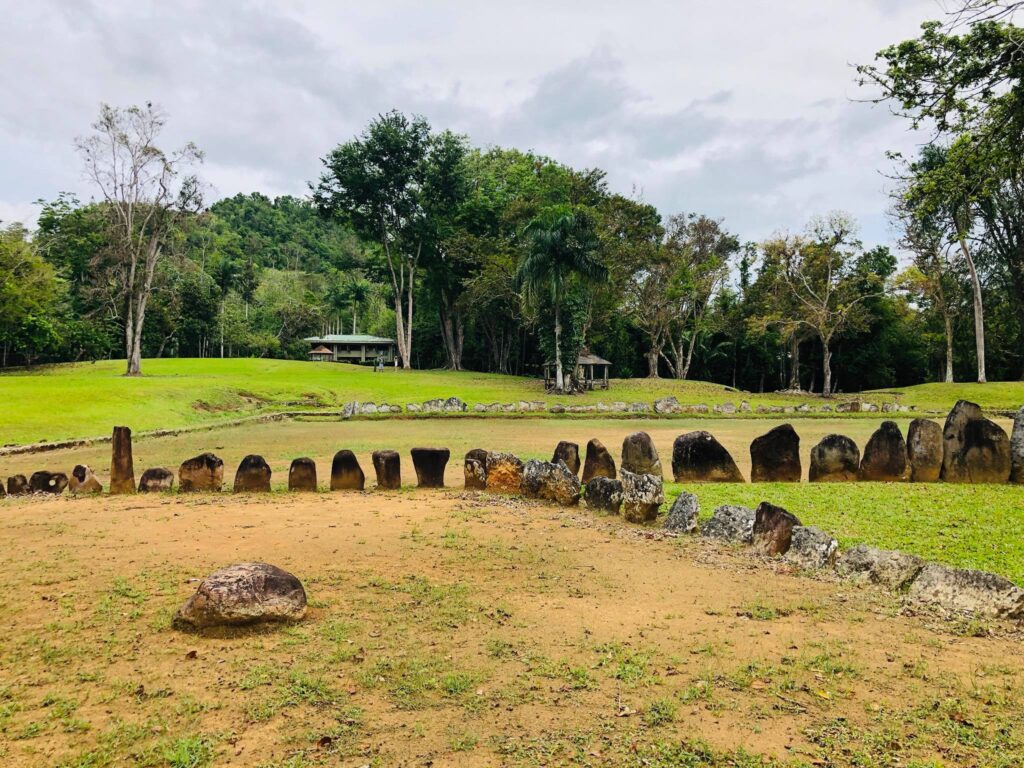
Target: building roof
[[343, 338], [588, 359], [321, 350]]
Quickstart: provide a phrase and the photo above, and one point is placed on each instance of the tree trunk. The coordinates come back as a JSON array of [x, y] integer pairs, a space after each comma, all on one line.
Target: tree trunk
[[683, 372], [794, 363], [559, 378], [948, 319], [652, 363], [979, 311], [452, 331], [826, 369]]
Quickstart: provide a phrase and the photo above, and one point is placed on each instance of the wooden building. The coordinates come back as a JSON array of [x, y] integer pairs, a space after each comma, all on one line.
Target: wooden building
[[591, 371], [352, 348]]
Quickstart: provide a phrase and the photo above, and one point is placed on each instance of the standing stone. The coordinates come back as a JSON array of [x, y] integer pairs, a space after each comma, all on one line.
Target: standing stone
[[599, 462], [245, 593], [773, 529], [699, 457], [302, 475], [504, 473], [604, 494], [682, 517], [3, 493], [388, 466], [811, 548], [775, 456], [551, 481], [570, 454], [156, 480], [48, 482], [253, 475], [204, 472], [83, 481], [346, 474], [639, 455], [642, 495], [122, 469], [1017, 449], [975, 450], [474, 469], [885, 455], [17, 485], [429, 464], [924, 451], [836, 459], [731, 523]]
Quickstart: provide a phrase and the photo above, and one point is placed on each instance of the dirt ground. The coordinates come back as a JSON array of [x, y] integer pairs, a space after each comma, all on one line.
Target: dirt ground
[[450, 628]]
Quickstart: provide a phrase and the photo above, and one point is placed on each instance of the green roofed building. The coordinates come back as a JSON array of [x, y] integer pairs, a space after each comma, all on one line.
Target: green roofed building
[[352, 348]]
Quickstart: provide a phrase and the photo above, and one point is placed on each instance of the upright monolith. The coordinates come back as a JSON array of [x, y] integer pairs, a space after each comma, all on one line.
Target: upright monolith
[[388, 466], [122, 469]]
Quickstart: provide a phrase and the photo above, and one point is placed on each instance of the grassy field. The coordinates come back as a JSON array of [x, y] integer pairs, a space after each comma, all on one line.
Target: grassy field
[[86, 400]]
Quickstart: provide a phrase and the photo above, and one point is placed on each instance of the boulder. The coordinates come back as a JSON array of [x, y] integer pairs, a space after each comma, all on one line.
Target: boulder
[[959, 590], [204, 472], [569, 453], [475, 469], [699, 457], [773, 529], [122, 468], [639, 455], [346, 474], [443, 405], [48, 482], [429, 464], [504, 473], [17, 485], [924, 451], [83, 481], [836, 459], [599, 462], [388, 467], [886, 567], [156, 480], [245, 593], [642, 496], [775, 456], [604, 494], [811, 548], [302, 475], [551, 481], [682, 516], [667, 405], [885, 455], [975, 450], [253, 475], [1017, 449], [731, 523]]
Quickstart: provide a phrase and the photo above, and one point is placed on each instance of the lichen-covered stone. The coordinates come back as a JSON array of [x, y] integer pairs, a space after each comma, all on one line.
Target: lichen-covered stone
[[811, 548], [504, 473], [245, 593], [550, 481], [1017, 449], [682, 516], [604, 494], [731, 523], [639, 455], [642, 496], [474, 469], [924, 451], [888, 568], [569, 453], [960, 590], [667, 405]]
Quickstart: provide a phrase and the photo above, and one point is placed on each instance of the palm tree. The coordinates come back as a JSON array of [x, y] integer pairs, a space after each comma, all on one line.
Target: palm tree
[[562, 244], [358, 292]]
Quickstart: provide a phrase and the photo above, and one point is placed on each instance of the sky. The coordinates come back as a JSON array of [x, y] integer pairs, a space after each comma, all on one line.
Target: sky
[[746, 110]]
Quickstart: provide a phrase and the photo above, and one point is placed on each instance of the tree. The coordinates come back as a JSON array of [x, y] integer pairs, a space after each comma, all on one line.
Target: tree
[[561, 255], [28, 292], [144, 193]]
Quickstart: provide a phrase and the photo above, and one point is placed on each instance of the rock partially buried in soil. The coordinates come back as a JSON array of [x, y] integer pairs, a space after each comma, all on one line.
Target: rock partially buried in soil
[[302, 475], [346, 474], [17, 485], [504, 473], [886, 567], [667, 405], [924, 451], [388, 467], [599, 463], [773, 529], [775, 456], [204, 472], [1017, 449], [48, 482], [836, 459], [156, 480], [253, 475], [569, 453], [975, 450], [811, 548], [682, 516], [642, 496], [550, 481], [960, 590], [429, 464], [122, 467], [699, 457], [885, 455], [731, 523], [474, 469], [83, 481], [241, 594], [604, 494], [639, 455]]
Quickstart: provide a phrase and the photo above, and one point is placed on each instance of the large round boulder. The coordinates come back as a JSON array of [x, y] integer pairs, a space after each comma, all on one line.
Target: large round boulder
[[699, 457], [48, 482], [83, 481], [599, 462], [245, 593], [156, 480], [604, 494], [775, 456], [1017, 449], [924, 451], [551, 481], [642, 496], [639, 455], [504, 473], [772, 533], [569, 453], [346, 474], [204, 472], [253, 475], [836, 459], [429, 464], [388, 467], [302, 475], [885, 455], [474, 469], [975, 450]]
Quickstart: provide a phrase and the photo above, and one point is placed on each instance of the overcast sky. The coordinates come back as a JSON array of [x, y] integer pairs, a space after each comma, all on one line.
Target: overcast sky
[[742, 109]]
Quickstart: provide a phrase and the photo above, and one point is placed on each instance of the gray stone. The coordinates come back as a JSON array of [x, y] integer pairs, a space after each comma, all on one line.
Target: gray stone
[[811, 548], [731, 523], [348, 410], [1017, 449], [836, 459], [639, 455], [639, 407], [412, 408], [245, 593], [959, 590], [667, 405], [551, 482], [924, 451], [682, 516], [642, 496], [504, 473], [773, 529], [726, 408], [888, 568], [885, 455], [604, 494]]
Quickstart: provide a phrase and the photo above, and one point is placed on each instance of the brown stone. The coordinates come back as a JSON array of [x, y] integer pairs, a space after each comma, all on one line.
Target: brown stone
[[570, 454], [83, 481], [204, 472], [885, 455], [245, 593], [504, 473], [975, 450], [639, 455], [1017, 449], [156, 480], [122, 468], [775, 456], [429, 465], [388, 466], [550, 481], [699, 457], [475, 469], [773, 529], [17, 485], [48, 482], [924, 451], [346, 474], [599, 462], [302, 475], [253, 475], [836, 459]]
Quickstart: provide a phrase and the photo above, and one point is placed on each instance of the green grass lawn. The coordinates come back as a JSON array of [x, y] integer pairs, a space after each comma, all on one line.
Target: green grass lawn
[[968, 526], [85, 400]]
